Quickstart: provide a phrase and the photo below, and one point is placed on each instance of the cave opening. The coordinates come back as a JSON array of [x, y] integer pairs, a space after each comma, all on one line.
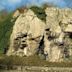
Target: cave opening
[[23, 46], [40, 51], [70, 35], [41, 46]]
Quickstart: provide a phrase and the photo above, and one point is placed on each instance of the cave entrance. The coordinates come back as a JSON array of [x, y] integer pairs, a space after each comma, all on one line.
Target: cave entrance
[[41, 46], [40, 51], [70, 35]]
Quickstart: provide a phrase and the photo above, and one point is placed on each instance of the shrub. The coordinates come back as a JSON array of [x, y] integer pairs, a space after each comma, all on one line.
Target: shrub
[[40, 12], [5, 31]]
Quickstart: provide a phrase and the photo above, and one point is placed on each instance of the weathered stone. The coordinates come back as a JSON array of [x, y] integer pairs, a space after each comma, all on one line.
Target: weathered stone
[[31, 28], [31, 35], [16, 14], [60, 22]]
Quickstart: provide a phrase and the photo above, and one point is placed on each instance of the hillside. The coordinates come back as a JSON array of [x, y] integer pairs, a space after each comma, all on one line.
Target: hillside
[[3, 15], [5, 31]]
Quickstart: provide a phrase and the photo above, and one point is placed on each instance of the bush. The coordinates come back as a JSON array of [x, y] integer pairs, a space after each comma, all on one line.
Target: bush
[[5, 32], [40, 12]]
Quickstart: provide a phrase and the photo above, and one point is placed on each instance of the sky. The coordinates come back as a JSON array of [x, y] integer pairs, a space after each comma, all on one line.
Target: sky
[[13, 4]]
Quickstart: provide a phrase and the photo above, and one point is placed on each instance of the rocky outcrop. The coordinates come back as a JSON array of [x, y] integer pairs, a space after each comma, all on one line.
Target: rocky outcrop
[[51, 39], [27, 33], [58, 23]]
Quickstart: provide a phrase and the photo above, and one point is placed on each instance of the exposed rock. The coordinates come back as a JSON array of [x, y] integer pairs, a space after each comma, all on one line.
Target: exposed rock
[[52, 39], [27, 31], [16, 14], [68, 28], [59, 21]]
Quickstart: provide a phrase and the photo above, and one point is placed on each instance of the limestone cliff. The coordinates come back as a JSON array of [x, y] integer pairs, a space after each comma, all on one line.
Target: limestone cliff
[[52, 39], [58, 42]]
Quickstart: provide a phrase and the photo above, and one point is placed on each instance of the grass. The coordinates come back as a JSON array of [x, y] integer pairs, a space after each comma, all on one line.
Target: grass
[[31, 61]]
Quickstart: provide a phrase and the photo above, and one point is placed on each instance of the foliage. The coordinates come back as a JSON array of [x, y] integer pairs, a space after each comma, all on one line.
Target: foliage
[[40, 12], [5, 31], [45, 5]]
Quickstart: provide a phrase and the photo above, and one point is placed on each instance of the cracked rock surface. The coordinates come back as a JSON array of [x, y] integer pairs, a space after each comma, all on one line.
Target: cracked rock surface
[[52, 39]]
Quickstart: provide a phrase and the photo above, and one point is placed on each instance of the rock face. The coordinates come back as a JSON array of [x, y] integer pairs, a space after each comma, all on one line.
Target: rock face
[[59, 24], [27, 34], [52, 39]]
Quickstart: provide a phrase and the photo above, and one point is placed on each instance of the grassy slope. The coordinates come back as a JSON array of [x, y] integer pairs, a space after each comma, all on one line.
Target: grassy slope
[[5, 31]]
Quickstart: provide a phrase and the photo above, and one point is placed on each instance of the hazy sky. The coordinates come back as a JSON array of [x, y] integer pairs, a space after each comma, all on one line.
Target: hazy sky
[[12, 4]]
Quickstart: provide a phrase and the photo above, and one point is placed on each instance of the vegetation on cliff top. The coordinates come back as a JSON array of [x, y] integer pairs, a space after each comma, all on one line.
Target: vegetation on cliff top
[[40, 12]]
